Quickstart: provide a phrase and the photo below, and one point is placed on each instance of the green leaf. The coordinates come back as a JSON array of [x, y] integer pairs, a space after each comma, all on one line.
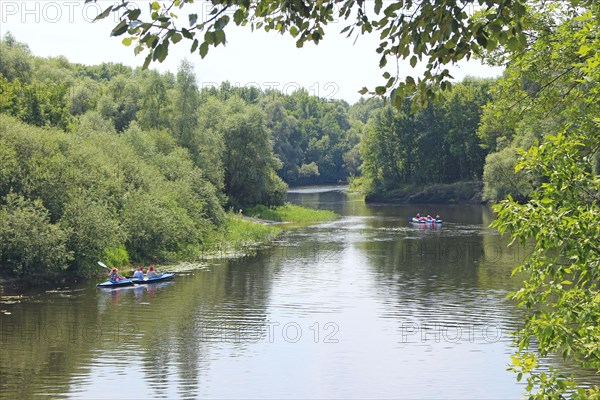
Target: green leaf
[[219, 37], [383, 62], [413, 61], [316, 36], [221, 22], [192, 19], [155, 6], [134, 14], [160, 52], [127, 41], [513, 44], [176, 38], [238, 16], [390, 11], [294, 31], [120, 29], [147, 61], [187, 34], [209, 37], [194, 46], [104, 14], [203, 49]]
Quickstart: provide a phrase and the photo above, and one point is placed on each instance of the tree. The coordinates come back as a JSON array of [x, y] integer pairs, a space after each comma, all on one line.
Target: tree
[[388, 149], [560, 78], [15, 62], [153, 110], [30, 245], [186, 100], [120, 103], [248, 159]]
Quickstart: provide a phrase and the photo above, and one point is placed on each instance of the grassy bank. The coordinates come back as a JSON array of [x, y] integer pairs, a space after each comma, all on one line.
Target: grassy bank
[[237, 237], [291, 213], [449, 193]]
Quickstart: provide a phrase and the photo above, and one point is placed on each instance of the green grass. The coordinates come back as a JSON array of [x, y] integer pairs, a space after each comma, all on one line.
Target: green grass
[[291, 213], [240, 235], [237, 236]]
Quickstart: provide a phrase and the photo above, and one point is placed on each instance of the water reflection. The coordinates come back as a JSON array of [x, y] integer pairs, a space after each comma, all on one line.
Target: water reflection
[[366, 306]]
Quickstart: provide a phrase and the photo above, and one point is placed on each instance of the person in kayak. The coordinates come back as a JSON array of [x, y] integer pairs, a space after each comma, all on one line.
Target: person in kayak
[[114, 275], [437, 217], [151, 272], [139, 274]]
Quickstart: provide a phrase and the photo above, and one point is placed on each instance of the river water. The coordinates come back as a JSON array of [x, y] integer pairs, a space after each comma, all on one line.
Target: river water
[[368, 306]]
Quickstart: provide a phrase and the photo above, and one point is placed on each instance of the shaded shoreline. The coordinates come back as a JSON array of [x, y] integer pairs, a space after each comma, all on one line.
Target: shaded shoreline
[[448, 193]]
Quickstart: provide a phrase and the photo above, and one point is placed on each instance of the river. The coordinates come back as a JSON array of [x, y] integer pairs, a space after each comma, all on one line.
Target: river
[[367, 306]]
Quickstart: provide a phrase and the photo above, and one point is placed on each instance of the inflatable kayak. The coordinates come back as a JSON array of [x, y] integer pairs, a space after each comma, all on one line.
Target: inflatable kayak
[[115, 284], [424, 220], [165, 276]]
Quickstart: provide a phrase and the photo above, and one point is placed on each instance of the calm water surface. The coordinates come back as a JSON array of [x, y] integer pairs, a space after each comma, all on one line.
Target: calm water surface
[[364, 307]]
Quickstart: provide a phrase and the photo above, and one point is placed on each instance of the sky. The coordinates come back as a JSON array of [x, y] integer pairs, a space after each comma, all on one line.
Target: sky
[[336, 68]]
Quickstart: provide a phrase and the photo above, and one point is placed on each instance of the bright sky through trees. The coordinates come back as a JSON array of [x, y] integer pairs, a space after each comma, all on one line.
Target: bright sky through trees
[[336, 68]]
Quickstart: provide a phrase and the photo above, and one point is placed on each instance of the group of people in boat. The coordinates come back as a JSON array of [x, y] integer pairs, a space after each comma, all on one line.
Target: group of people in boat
[[427, 218], [138, 274]]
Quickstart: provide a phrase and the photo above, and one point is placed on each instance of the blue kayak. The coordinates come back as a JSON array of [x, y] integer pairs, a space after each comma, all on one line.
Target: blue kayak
[[115, 284], [424, 221], [165, 276]]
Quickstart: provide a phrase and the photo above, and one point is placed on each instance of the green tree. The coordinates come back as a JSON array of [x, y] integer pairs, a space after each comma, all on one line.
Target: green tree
[[154, 110], [186, 100], [120, 102], [388, 149], [16, 59], [559, 77], [462, 107], [248, 160], [30, 245], [211, 146]]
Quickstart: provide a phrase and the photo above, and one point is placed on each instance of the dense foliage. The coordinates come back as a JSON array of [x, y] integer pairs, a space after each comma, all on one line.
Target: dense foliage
[[75, 198], [548, 104], [436, 144]]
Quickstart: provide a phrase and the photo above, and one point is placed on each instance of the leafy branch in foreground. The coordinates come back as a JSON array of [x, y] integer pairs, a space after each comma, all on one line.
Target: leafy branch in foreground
[[434, 32], [561, 294]]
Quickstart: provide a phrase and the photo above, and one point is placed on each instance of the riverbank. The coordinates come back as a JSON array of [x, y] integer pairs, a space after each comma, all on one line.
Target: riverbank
[[291, 213], [450, 193], [239, 236]]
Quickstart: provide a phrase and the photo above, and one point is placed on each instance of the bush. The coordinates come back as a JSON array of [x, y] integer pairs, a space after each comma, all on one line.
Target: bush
[[116, 256], [500, 178], [31, 247]]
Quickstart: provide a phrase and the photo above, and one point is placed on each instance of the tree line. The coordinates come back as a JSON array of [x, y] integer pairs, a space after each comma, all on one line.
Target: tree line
[[126, 164]]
